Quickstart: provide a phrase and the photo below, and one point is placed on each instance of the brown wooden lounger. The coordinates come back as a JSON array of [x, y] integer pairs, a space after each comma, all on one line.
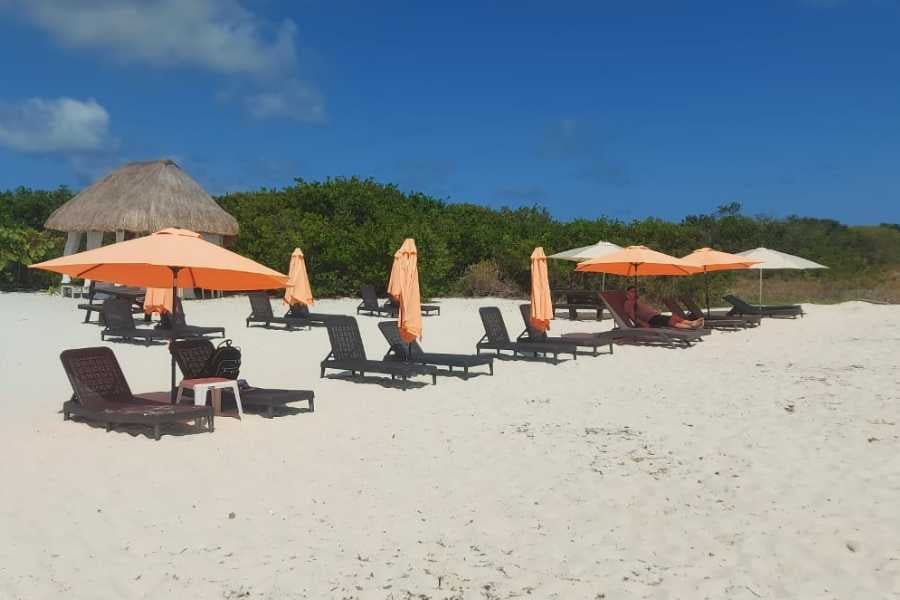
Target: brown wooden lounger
[[101, 394], [713, 321], [626, 330], [192, 357]]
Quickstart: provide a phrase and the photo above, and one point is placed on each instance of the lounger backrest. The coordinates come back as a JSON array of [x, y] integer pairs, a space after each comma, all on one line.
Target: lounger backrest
[[369, 297], [96, 376], [740, 304], [533, 333], [192, 356], [615, 302], [260, 305], [494, 325], [117, 314], [672, 304], [346, 343], [403, 349]]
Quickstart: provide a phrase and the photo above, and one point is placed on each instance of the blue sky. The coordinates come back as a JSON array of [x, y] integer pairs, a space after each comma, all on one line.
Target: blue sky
[[591, 109]]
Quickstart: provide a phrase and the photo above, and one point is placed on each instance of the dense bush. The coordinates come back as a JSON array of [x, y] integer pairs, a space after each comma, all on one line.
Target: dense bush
[[349, 228]]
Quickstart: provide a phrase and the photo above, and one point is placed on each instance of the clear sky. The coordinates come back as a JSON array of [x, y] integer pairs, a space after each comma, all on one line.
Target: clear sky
[[622, 109]]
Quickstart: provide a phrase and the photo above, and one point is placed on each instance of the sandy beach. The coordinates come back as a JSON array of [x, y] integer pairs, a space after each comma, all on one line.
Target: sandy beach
[[757, 464]]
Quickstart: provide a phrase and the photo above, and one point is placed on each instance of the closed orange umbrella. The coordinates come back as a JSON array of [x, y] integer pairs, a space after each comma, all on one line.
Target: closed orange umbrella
[[404, 288], [637, 260], [709, 260], [298, 290], [541, 305], [168, 258], [158, 300]]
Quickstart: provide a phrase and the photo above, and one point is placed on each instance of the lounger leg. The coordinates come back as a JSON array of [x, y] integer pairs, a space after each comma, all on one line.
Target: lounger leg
[[312, 405], [322, 373], [465, 372], [491, 367], [434, 379], [108, 427], [270, 412], [65, 415], [156, 432], [210, 423]]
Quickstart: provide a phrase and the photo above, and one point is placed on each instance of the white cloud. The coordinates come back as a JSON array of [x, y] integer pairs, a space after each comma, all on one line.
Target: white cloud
[[54, 125], [219, 35], [294, 99]]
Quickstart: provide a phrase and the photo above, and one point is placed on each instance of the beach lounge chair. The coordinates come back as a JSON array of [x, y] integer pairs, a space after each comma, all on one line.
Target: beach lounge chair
[[626, 330], [370, 305], [742, 307], [261, 312], [177, 322], [101, 394], [301, 311], [712, 322], [120, 324], [582, 340], [496, 337], [694, 311], [193, 357], [427, 309], [349, 354], [412, 352]]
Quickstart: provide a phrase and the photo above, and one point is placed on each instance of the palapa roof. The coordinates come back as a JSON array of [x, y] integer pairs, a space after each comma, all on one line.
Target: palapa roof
[[143, 197]]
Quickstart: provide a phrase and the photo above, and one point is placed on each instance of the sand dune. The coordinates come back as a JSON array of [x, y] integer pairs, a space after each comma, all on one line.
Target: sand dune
[[758, 464]]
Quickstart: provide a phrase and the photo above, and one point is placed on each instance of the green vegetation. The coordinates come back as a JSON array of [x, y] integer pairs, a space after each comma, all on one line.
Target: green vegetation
[[349, 228]]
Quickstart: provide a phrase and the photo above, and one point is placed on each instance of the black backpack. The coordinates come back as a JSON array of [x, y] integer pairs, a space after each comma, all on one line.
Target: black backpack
[[225, 361]]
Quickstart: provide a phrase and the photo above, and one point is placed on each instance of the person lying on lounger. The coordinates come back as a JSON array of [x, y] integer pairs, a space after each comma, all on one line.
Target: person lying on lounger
[[647, 316]]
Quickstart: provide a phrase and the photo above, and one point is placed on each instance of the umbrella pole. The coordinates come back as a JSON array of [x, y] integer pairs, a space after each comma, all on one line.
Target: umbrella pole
[[760, 287], [172, 391], [706, 279]]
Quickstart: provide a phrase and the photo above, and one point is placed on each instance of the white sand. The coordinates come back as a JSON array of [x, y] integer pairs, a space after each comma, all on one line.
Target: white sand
[[758, 464]]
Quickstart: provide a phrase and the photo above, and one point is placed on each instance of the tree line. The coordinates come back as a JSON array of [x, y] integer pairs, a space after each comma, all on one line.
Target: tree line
[[349, 228]]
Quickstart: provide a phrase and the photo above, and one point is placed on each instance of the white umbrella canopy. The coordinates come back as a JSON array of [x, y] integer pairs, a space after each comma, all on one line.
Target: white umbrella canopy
[[774, 260], [598, 250]]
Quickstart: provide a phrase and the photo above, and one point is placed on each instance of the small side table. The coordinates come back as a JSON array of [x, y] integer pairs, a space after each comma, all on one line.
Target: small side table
[[214, 385]]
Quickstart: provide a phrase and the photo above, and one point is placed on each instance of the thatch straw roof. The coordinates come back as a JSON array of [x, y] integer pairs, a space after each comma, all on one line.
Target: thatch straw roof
[[143, 197]]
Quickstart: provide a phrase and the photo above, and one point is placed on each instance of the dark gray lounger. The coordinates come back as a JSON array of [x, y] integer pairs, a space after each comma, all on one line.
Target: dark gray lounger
[[301, 311], [412, 352], [261, 313], [101, 394], [192, 357], [120, 324], [349, 354], [370, 305], [712, 322], [178, 323], [695, 311], [742, 307], [496, 337], [586, 340]]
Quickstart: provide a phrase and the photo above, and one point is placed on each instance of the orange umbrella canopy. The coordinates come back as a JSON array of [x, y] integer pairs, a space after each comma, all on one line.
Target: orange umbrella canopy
[[711, 260], [541, 304], [151, 261], [298, 290], [404, 288], [158, 300], [635, 261]]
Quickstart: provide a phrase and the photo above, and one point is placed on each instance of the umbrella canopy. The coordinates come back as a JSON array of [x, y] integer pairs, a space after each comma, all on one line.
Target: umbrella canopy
[[150, 261], [597, 250], [298, 290], [404, 288], [710, 260], [637, 260], [541, 305], [773, 259], [158, 300]]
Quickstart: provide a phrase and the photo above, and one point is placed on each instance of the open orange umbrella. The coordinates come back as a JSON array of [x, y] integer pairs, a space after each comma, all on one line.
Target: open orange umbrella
[[541, 305], [404, 288], [709, 260], [298, 290], [637, 260], [168, 258]]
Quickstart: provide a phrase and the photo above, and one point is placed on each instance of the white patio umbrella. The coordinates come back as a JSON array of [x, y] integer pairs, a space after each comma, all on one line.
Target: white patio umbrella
[[598, 250], [775, 260]]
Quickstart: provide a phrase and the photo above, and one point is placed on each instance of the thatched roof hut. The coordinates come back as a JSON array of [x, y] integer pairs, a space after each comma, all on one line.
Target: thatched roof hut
[[143, 197]]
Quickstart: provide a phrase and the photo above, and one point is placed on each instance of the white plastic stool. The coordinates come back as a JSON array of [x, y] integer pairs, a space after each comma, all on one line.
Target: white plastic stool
[[214, 385]]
